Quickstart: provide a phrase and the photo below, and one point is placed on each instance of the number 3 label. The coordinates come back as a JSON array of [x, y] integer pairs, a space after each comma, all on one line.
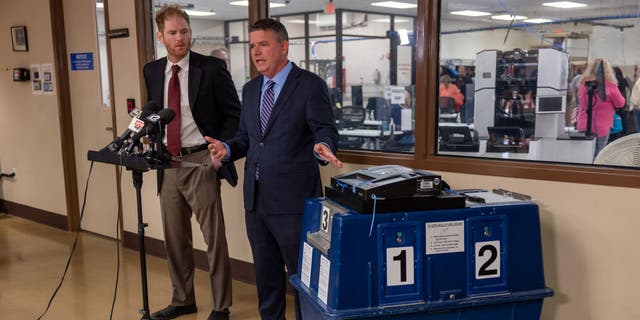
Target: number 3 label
[[324, 219], [399, 266], [487, 259]]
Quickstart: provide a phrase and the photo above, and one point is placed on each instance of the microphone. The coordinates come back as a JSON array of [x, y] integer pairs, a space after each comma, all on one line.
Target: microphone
[[135, 125], [152, 126]]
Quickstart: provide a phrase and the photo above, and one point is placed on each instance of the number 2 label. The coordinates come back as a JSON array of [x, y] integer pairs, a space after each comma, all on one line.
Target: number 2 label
[[487, 259]]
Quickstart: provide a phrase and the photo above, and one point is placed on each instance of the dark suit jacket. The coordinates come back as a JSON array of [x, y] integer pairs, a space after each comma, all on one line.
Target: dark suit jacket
[[212, 97], [289, 171]]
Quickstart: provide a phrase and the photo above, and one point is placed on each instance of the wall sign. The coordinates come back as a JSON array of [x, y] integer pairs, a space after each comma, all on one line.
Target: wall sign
[[82, 61]]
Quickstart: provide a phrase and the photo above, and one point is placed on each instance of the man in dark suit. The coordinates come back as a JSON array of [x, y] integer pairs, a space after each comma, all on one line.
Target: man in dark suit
[[199, 89], [286, 130]]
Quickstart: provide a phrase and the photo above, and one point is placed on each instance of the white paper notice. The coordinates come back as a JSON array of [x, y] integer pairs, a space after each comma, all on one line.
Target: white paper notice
[[445, 237], [48, 82], [36, 79], [323, 282], [307, 259]]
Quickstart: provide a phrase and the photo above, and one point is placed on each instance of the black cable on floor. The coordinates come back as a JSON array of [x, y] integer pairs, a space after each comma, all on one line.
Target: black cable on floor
[[75, 243], [115, 289]]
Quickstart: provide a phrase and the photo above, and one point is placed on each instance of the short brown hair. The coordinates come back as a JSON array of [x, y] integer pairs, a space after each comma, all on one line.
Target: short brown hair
[[271, 24], [167, 11]]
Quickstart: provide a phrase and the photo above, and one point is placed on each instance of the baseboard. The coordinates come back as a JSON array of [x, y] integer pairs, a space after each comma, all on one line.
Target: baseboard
[[34, 214], [240, 270]]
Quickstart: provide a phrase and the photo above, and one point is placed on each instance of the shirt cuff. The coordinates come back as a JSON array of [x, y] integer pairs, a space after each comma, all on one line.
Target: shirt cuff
[[226, 146]]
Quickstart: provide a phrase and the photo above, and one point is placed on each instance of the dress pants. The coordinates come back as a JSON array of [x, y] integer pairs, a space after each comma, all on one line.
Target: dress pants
[[195, 190], [275, 243]]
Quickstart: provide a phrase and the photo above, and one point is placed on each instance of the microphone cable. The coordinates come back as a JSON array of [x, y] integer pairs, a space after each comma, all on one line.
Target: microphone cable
[[75, 243], [115, 288]]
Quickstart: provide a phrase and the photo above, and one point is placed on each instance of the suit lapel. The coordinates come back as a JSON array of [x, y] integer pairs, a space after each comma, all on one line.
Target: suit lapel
[[158, 83], [195, 73], [289, 87], [253, 97]]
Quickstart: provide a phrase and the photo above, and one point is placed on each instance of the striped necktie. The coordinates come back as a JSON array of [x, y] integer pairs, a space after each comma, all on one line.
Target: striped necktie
[[267, 105], [265, 112]]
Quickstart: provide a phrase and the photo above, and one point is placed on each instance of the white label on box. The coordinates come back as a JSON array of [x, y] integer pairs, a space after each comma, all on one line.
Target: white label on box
[[323, 281], [487, 259], [307, 261], [445, 237], [400, 266]]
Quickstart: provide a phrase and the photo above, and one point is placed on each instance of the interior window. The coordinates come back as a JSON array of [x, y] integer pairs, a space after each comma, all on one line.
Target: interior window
[[218, 30], [366, 55], [539, 80]]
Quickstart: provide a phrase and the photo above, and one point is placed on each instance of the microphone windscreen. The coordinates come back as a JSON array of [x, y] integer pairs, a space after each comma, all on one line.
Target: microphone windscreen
[[150, 107], [166, 115], [145, 112]]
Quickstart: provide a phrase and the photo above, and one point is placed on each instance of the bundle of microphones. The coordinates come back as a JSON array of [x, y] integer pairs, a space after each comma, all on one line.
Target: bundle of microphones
[[146, 123]]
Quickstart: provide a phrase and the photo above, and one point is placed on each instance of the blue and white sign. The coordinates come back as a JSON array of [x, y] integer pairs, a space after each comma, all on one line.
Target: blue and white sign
[[82, 61]]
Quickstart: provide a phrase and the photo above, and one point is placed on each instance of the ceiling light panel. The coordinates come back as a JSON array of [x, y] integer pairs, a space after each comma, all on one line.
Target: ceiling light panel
[[508, 17], [246, 4], [470, 13], [395, 5], [564, 4], [538, 20]]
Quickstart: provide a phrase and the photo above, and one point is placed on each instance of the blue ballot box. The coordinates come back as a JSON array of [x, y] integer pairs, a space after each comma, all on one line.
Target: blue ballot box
[[483, 261]]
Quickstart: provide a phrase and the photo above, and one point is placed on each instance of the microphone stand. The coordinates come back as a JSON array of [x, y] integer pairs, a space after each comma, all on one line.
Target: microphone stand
[[157, 155], [137, 184], [157, 158]]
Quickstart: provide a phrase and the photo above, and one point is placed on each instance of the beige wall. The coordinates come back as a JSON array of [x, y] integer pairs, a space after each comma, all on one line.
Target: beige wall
[[589, 232], [29, 127]]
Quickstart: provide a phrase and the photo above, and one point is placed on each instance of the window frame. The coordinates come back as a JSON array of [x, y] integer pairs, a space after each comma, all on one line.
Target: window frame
[[427, 54]]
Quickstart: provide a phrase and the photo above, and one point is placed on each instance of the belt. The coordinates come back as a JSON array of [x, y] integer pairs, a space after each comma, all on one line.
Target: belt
[[189, 150]]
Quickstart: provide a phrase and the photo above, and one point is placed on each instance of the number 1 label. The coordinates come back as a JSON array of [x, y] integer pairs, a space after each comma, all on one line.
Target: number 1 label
[[400, 266], [487, 259]]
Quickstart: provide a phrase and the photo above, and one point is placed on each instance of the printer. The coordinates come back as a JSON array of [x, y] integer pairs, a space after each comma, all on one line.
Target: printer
[[391, 188]]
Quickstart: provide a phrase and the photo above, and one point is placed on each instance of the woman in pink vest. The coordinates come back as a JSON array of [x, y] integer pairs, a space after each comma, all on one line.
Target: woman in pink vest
[[602, 111]]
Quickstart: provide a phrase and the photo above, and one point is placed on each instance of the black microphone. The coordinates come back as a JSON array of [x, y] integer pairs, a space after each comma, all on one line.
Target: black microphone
[[152, 126], [135, 125]]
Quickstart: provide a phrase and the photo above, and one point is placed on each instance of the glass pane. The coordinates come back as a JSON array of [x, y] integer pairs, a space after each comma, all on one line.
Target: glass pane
[[373, 93], [102, 55], [512, 84], [294, 25], [208, 20]]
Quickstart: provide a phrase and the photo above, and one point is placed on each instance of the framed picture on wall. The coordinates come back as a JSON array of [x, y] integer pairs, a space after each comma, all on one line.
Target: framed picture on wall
[[19, 38]]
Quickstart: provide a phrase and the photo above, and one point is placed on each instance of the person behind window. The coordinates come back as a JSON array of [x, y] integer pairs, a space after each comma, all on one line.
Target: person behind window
[[404, 141], [448, 89], [213, 110], [222, 53], [602, 111], [634, 101], [574, 106], [396, 109], [623, 87]]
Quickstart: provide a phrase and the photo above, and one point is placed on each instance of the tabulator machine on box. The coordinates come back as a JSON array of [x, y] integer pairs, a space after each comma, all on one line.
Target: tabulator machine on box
[[480, 261]]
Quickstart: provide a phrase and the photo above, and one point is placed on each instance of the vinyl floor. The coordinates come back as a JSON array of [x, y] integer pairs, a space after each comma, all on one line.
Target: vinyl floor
[[33, 258]]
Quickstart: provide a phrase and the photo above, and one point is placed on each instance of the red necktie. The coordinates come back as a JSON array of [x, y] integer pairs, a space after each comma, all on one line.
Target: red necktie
[[173, 101]]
